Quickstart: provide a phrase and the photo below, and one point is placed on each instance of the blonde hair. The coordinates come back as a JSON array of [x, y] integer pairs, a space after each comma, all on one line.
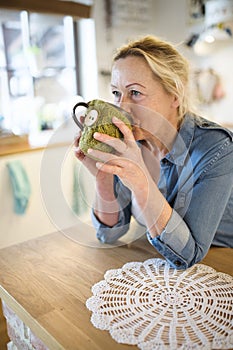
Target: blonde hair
[[170, 68]]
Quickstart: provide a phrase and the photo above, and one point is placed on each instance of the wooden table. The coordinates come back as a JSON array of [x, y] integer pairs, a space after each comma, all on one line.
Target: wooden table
[[46, 282]]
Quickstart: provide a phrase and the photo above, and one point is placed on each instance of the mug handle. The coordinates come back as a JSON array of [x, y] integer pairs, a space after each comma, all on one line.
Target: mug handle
[[84, 104]]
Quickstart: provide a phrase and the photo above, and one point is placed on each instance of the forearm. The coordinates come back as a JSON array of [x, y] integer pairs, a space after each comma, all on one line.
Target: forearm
[[110, 234], [154, 208], [106, 207]]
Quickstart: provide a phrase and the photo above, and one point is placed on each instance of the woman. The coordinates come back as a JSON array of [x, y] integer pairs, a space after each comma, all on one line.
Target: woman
[[174, 171]]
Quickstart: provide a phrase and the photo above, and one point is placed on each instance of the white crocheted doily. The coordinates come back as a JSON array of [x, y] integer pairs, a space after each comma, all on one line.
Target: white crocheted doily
[[154, 306]]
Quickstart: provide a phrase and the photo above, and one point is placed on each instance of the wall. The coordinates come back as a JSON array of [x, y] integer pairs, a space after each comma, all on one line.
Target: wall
[[51, 176], [168, 20], [34, 222]]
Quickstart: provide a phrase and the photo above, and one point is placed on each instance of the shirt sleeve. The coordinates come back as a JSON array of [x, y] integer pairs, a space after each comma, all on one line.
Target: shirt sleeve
[[106, 234], [172, 241], [187, 238]]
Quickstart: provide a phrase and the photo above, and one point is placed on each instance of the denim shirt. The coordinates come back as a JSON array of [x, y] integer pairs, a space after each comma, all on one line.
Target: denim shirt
[[196, 178]]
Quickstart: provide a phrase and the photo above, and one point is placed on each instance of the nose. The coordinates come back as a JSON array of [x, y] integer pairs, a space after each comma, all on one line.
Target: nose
[[125, 104]]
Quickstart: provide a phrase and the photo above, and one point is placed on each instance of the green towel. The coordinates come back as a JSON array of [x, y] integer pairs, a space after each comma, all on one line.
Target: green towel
[[79, 204], [20, 186]]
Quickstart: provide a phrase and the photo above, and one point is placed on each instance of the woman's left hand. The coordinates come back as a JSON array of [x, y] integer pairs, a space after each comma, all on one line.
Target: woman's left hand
[[127, 163]]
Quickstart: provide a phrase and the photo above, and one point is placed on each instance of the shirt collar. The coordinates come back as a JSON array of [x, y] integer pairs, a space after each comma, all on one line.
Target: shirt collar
[[182, 142]]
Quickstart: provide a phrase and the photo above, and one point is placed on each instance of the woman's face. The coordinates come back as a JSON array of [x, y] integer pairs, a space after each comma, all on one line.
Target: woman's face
[[136, 90]]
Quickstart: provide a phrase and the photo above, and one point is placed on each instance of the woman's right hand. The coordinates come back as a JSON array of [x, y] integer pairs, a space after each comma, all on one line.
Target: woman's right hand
[[105, 205], [88, 162]]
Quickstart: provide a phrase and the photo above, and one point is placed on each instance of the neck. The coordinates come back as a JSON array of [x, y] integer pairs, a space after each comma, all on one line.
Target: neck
[[162, 143]]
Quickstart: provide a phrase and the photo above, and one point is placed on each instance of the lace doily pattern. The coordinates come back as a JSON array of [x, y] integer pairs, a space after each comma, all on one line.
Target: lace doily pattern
[[154, 306]]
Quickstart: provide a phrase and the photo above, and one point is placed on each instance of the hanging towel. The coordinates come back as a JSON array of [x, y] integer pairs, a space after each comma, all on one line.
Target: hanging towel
[[79, 203], [20, 186]]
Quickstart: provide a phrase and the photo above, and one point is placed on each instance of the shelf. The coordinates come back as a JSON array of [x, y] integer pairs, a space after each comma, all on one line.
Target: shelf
[[56, 7], [14, 144], [6, 150]]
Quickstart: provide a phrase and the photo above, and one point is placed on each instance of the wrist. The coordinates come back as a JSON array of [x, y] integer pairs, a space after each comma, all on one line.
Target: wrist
[[105, 186]]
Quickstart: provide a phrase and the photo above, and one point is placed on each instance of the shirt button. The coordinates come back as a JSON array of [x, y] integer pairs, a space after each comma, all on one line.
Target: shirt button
[[178, 263]]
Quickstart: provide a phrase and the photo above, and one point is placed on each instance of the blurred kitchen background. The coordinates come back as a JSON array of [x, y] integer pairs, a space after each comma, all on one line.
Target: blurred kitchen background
[[49, 61]]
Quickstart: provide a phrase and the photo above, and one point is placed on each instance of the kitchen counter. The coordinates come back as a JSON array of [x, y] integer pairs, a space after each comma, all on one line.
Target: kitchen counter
[[46, 282], [22, 147]]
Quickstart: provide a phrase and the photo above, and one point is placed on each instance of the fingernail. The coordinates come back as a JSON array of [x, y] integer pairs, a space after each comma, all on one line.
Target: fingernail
[[96, 134], [115, 119], [98, 165]]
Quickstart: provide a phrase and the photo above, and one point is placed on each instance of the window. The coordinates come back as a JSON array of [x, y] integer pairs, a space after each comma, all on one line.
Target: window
[[38, 72]]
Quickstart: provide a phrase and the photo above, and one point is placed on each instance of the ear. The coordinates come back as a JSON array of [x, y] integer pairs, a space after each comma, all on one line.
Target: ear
[[175, 102]]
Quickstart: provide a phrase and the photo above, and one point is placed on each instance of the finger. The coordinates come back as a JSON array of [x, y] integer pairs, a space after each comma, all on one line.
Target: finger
[[77, 138], [128, 135], [77, 149], [109, 168], [114, 142], [78, 153], [119, 167], [102, 156], [109, 159]]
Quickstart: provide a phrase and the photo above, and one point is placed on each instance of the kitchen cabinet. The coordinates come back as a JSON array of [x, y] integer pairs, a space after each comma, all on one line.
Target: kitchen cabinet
[[51, 174], [16, 228]]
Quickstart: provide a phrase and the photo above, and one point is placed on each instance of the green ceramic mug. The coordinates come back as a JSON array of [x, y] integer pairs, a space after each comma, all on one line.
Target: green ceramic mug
[[98, 118]]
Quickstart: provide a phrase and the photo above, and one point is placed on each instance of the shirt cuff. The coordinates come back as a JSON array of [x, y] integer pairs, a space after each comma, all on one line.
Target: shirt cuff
[[173, 242], [106, 234]]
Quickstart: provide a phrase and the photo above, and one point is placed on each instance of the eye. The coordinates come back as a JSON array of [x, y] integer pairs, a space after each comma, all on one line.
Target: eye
[[135, 93], [91, 117], [117, 95]]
